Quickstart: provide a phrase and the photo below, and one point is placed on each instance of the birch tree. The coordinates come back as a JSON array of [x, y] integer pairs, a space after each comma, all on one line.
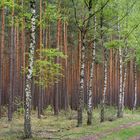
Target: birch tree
[[28, 97], [83, 25], [90, 106], [102, 115]]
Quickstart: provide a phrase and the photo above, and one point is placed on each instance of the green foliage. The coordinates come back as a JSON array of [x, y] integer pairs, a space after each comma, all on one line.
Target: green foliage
[[46, 71], [48, 110], [51, 12], [19, 106], [114, 44]]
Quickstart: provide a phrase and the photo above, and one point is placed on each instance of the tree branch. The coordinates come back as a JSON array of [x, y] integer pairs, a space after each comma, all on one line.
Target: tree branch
[[96, 12], [75, 15]]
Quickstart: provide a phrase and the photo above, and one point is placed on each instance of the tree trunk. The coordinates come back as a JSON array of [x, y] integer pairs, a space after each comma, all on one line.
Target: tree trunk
[[90, 94], [1, 56], [15, 68], [10, 105], [66, 99], [81, 90], [120, 100], [40, 109], [111, 80], [23, 53], [105, 88], [27, 115], [135, 86], [102, 115], [124, 78], [56, 96], [82, 66]]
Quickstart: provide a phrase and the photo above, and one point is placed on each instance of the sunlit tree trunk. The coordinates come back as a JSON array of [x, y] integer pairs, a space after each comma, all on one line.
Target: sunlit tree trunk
[[90, 94], [1, 51], [27, 115]]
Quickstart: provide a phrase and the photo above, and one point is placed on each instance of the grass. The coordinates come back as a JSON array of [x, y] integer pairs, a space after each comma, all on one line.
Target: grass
[[124, 134], [64, 126]]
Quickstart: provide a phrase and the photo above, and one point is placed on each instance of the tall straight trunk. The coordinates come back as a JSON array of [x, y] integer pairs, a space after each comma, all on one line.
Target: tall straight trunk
[[66, 99], [10, 104], [120, 108], [56, 96], [111, 77], [23, 52], [116, 65], [18, 62], [60, 62], [124, 86], [1, 56], [81, 90], [90, 94], [82, 66], [120, 97], [102, 115], [135, 86], [40, 110], [15, 69], [124, 78], [102, 119], [27, 106]]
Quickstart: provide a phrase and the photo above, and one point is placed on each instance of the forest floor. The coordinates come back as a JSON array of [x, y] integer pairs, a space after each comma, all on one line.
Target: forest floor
[[63, 127]]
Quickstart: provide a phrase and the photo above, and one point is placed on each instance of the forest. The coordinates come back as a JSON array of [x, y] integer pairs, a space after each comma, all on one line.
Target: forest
[[69, 69]]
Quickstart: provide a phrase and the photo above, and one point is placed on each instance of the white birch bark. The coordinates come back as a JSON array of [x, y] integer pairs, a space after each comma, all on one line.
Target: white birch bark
[[105, 87], [82, 72], [105, 69], [121, 85], [125, 75], [82, 68], [27, 119], [120, 100], [89, 112], [124, 86]]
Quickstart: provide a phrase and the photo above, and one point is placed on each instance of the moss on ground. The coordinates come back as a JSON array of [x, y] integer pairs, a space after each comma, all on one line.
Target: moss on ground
[[64, 126]]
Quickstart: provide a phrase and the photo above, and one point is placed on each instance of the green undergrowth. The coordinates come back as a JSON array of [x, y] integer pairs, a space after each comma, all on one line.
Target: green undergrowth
[[124, 134], [63, 126]]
